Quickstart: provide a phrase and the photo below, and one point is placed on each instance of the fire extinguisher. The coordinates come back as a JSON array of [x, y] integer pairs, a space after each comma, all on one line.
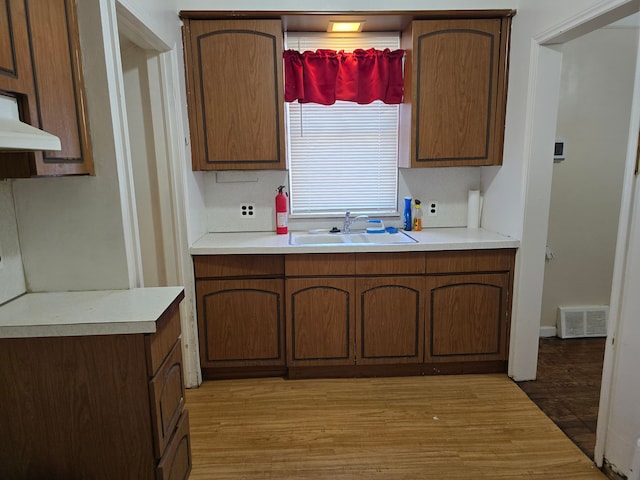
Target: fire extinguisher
[[282, 216]]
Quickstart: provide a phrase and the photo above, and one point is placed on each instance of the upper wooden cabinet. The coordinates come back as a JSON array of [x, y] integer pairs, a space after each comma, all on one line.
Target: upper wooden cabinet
[[15, 58], [40, 64], [234, 93], [455, 92]]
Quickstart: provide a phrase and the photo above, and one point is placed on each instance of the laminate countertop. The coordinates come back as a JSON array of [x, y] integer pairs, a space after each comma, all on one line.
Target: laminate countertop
[[426, 240], [100, 312]]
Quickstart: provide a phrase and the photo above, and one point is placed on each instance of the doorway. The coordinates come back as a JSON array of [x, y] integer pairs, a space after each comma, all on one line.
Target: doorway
[[593, 122], [152, 185]]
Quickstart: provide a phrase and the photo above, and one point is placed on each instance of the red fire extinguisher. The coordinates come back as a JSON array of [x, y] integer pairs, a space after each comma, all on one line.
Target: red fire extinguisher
[[282, 216]]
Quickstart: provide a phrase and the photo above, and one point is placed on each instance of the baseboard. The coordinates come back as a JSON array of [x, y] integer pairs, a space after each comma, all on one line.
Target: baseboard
[[547, 332]]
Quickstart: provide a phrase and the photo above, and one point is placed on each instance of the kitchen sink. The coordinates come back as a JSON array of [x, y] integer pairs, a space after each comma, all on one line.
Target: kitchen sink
[[355, 238]]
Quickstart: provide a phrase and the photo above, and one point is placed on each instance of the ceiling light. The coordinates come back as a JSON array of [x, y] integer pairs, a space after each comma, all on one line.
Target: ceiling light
[[342, 27]]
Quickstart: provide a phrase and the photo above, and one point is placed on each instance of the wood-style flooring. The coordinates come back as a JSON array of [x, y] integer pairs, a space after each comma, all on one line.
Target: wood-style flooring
[[444, 427], [567, 387]]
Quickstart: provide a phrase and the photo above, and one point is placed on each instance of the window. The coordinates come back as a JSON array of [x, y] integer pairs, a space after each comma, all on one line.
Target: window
[[343, 156]]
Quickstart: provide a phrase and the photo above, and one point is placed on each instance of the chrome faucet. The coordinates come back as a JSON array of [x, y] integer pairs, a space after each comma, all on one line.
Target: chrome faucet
[[348, 221]]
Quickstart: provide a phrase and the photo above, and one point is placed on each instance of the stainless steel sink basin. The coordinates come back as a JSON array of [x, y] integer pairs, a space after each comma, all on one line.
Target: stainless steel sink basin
[[361, 238]]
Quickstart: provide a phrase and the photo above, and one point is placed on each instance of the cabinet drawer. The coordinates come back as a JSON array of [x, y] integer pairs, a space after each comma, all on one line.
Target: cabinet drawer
[[166, 392], [159, 344], [213, 266], [320, 264], [176, 461], [406, 263], [470, 261]]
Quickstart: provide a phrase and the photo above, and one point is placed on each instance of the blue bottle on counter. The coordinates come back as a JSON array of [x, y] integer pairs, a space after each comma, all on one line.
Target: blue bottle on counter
[[408, 224]]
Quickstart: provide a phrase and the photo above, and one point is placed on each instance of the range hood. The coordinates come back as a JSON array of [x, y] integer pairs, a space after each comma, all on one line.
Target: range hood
[[19, 136]]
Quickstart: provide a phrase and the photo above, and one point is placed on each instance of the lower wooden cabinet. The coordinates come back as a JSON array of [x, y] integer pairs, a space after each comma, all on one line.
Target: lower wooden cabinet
[[320, 321], [467, 317], [176, 463], [241, 322], [389, 327], [102, 407], [351, 314]]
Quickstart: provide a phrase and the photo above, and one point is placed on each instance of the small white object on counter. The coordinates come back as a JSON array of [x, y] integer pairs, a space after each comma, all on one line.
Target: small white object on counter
[[100, 312], [474, 209]]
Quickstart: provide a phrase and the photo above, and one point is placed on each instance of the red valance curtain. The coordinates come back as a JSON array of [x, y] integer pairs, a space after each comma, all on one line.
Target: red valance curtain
[[361, 76]]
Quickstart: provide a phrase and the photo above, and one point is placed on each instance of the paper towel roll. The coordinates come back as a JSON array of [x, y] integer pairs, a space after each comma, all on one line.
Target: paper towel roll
[[473, 209]]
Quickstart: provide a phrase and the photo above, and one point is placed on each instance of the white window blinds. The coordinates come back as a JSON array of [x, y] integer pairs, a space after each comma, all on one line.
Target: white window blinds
[[343, 156]]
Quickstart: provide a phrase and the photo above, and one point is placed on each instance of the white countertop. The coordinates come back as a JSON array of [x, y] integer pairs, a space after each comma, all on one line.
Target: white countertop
[[102, 312], [427, 240]]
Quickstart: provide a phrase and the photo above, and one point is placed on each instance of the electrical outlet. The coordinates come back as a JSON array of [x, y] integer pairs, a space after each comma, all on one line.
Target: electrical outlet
[[432, 208], [247, 210]]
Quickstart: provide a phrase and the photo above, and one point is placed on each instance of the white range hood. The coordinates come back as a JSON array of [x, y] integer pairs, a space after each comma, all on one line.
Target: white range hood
[[19, 136]]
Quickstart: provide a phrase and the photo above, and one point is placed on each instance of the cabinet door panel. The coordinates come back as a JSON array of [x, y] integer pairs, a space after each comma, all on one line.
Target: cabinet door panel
[[240, 322], [176, 463], [40, 62], [167, 398], [235, 93], [456, 88], [456, 79], [390, 323], [8, 67], [61, 98], [320, 317], [467, 317], [15, 67], [160, 343]]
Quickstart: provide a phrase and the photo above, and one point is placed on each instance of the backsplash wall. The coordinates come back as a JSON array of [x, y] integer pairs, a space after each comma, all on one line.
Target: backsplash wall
[[227, 191], [12, 281]]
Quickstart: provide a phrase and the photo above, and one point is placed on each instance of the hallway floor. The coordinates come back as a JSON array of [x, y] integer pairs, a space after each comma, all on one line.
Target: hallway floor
[[567, 388]]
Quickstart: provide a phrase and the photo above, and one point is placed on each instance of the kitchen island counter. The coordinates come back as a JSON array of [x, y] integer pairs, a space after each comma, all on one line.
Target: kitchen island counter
[[100, 312], [91, 386]]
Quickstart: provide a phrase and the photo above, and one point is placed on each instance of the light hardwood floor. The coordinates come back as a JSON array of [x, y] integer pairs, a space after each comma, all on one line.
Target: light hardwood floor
[[445, 427]]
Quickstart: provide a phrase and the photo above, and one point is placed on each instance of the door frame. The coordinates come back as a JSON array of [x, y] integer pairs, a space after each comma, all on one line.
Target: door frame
[[545, 81], [169, 139]]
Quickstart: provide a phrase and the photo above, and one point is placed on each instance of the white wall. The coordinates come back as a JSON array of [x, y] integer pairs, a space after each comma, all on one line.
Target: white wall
[[448, 186], [71, 229], [160, 19], [593, 119], [11, 272]]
